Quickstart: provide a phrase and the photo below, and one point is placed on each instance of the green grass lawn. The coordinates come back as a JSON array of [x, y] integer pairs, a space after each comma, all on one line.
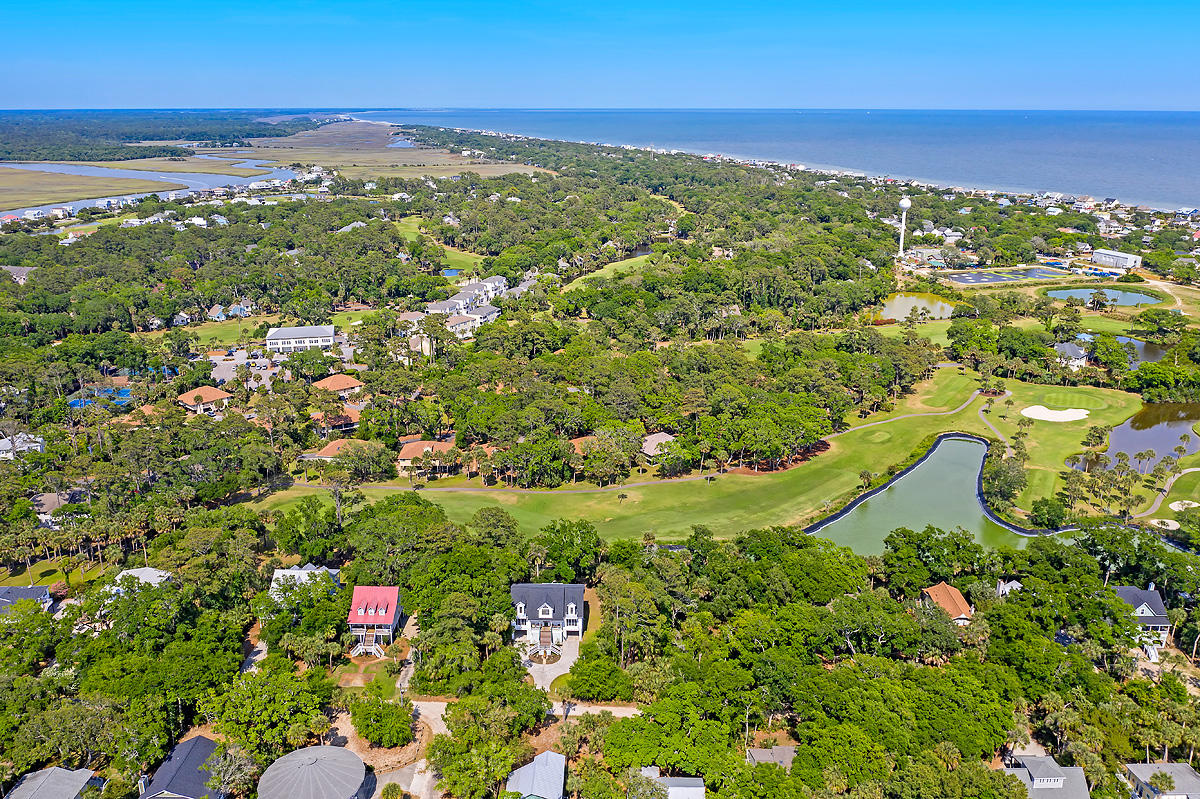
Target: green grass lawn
[[732, 503], [47, 572], [342, 320], [1186, 487], [936, 330], [608, 270], [409, 225], [222, 334], [457, 259], [1050, 443]]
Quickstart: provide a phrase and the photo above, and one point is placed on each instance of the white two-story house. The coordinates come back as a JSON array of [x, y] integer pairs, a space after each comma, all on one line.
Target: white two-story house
[[1150, 612], [544, 614]]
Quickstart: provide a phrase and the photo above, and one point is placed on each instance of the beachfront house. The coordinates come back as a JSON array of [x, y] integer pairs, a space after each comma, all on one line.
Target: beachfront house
[[1149, 610], [374, 616], [544, 614], [295, 339], [949, 599]]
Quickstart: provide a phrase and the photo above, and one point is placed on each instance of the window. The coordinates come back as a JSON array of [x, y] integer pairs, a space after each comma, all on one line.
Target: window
[[571, 609], [545, 612], [520, 608]]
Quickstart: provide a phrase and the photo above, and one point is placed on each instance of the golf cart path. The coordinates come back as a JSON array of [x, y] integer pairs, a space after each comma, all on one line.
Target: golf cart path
[[1163, 494]]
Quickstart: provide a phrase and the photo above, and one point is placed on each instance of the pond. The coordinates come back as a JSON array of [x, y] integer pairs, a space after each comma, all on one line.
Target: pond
[[1143, 351], [1156, 427], [899, 306], [940, 491], [1121, 297]]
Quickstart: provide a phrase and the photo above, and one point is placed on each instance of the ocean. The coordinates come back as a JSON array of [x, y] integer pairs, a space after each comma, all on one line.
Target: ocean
[[1141, 158]]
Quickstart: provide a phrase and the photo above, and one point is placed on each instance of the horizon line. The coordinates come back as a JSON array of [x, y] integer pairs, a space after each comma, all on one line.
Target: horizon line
[[451, 108]]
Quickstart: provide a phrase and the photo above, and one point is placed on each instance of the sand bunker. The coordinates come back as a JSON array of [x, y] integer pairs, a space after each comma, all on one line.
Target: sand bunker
[[1183, 504], [1044, 414], [1165, 524]]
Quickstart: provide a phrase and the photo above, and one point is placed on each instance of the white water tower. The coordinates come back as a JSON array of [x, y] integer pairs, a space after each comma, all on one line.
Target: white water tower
[[905, 204]]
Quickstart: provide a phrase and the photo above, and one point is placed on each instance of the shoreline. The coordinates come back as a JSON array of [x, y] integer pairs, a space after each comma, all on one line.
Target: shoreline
[[749, 160]]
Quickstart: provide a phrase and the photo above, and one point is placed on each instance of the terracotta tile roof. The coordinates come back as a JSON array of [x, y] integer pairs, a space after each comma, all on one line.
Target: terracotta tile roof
[[339, 382], [206, 393], [349, 415], [578, 443], [415, 449], [335, 448], [949, 599]]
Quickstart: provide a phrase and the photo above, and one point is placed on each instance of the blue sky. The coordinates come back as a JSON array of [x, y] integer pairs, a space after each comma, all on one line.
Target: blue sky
[[616, 54]]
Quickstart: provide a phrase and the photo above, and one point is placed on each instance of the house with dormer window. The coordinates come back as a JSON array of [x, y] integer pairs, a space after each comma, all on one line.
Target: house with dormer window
[[374, 616], [544, 614], [1150, 612], [1043, 778]]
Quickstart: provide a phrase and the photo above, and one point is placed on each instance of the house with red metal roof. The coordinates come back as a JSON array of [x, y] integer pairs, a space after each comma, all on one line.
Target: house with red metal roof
[[374, 616]]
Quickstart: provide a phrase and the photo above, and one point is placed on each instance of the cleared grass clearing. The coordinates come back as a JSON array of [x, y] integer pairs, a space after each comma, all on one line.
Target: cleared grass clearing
[[20, 188], [609, 270]]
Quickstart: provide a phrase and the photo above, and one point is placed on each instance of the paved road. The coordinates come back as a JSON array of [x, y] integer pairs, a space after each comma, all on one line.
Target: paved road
[[1163, 495]]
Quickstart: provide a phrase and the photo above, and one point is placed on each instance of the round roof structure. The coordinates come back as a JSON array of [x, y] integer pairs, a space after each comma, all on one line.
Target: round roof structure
[[315, 772], [905, 203]]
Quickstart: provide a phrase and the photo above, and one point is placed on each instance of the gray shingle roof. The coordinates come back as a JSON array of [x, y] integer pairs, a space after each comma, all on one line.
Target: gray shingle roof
[[180, 774], [543, 778], [1136, 597], [10, 594], [1187, 782], [51, 783], [780, 755], [314, 772], [1043, 778], [556, 595]]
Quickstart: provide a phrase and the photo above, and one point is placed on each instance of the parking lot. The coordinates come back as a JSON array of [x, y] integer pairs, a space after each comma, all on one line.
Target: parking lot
[[983, 277]]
